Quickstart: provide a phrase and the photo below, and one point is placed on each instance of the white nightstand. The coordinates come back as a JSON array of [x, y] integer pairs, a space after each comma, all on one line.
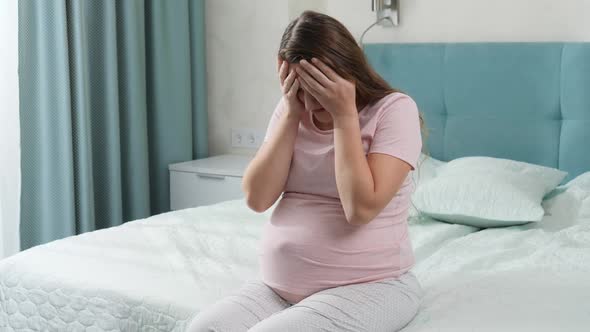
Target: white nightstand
[[207, 181]]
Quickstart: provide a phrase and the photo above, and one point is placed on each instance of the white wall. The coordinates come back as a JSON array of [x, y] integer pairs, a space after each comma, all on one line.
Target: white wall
[[9, 130], [243, 37], [472, 20]]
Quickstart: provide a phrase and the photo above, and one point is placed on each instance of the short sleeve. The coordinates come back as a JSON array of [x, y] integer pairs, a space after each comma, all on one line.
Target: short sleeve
[[397, 131], [274, 119]]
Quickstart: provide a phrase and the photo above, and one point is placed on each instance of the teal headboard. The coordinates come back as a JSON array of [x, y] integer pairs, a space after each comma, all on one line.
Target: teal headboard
[[522, 101]]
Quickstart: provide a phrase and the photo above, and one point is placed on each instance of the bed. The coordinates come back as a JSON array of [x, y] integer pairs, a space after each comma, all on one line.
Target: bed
[[155, 274], [147, 275]]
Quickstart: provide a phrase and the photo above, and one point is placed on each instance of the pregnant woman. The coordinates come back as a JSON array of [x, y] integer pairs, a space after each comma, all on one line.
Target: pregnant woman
[[336, 255]]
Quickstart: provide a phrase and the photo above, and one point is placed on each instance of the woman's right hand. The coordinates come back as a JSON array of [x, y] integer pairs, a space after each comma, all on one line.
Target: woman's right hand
[[290, 86], [266, 175]]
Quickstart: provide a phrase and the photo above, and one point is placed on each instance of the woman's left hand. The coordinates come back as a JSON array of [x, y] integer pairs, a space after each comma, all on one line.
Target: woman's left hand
[[333, 92]]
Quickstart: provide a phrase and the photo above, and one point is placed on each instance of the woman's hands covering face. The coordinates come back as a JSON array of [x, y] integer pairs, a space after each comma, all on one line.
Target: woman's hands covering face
[[290, 86], [333, 92]]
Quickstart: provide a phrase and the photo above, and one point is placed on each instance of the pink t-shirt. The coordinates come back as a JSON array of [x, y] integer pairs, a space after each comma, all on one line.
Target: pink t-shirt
[[308, 245]]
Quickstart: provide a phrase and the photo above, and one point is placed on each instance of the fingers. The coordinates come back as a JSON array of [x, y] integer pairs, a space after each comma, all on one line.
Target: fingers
[[315, 73], [283, 71], [308, 80], [288, 82], [330, 74], [279, 63], [308, 88], [294, 88]]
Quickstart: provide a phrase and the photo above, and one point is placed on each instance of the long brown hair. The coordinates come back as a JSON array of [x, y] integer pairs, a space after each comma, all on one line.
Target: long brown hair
[[316, 35]]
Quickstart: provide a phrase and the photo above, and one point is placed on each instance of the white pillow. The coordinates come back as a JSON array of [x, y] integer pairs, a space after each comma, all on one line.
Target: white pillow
[[568, 204], [426, 170], [580, 188], [581, 181], [487, 192]]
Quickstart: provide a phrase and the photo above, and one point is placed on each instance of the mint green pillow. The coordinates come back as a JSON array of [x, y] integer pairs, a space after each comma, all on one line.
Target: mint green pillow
[[424, 172], [487, 192]]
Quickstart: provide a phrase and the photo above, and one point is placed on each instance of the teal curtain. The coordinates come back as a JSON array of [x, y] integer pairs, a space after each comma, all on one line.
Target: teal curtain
[[111, 93]]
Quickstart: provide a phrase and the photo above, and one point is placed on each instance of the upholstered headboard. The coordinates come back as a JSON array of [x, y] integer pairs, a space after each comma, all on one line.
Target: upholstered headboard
[[522, 101]]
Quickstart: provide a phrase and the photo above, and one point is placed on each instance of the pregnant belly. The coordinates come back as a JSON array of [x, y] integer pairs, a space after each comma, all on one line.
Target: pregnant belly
[[301, 254]]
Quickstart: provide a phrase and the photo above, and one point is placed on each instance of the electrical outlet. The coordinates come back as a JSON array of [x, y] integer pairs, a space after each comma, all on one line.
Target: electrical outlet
[[246, 138], [237, 138]]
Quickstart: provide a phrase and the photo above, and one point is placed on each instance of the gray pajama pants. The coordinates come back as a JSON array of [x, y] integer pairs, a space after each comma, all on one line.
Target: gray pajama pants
[[386, 305]]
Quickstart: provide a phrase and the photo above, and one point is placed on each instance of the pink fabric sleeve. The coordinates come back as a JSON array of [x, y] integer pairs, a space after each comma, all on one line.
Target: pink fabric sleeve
[[398, 131], [272, 123]]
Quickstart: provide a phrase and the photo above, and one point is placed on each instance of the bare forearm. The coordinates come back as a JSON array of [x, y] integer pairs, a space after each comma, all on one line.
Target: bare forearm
[[353, 175], [266, 175]]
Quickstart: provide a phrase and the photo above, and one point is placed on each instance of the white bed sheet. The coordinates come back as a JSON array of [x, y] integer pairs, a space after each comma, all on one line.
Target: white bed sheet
[[534, 277], [152, 274]]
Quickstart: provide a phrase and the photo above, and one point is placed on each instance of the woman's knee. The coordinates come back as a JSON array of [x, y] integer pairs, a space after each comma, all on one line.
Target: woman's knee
[[203, 323], [244, 308], [414, 286], [224, 315]]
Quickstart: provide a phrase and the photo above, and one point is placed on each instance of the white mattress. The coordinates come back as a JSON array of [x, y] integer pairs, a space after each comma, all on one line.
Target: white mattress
[[155, 274]]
